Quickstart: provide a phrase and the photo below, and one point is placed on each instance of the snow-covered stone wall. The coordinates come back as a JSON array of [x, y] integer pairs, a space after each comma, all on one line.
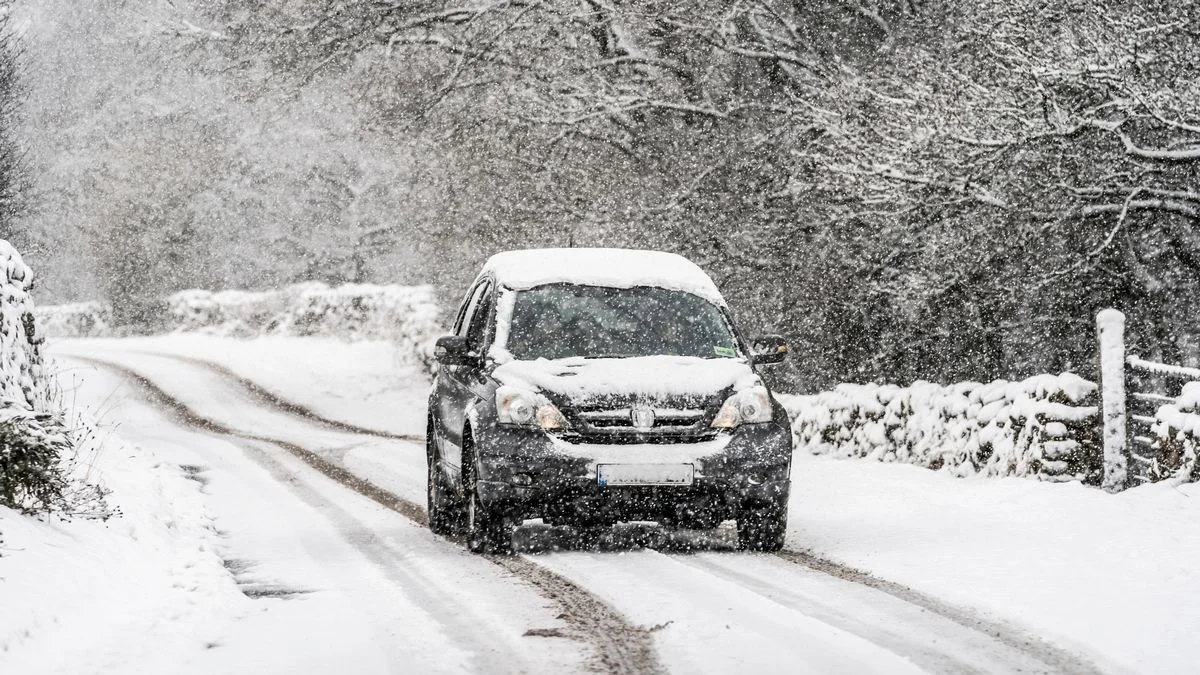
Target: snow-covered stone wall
[[405, 315], [1045, 426], [23, 382], [77, 319], [1177, 436]]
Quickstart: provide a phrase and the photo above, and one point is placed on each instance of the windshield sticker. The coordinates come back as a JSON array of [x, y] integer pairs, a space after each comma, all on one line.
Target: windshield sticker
[[724, 351]]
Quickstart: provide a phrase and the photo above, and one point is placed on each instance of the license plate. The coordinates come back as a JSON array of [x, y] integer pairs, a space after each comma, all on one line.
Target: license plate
[[610, 475]]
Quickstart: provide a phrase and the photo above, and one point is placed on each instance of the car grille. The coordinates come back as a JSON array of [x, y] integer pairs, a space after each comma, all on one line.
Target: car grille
[[600, 424]]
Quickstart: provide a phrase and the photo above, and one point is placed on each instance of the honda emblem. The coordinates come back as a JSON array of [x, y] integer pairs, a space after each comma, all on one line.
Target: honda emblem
[[642, 418]]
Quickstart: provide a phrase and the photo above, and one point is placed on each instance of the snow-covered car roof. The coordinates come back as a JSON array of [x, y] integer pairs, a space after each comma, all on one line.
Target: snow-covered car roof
[[611, 267]]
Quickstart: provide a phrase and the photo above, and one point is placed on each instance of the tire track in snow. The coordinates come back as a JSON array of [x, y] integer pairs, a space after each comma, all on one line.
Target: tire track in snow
[[1059, 660], [618, 645], [900, 620], [274, 400], [393, 559]]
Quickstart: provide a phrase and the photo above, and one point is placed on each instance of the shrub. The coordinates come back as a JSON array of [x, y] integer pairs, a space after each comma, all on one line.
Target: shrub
[[32, 478], [37, 448]]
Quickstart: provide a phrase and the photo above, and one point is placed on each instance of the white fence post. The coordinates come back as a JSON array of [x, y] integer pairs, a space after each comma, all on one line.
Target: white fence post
[[1110, 328]]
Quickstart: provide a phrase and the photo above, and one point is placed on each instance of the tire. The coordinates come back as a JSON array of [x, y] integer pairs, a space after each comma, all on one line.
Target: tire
[[442, 510], [488, 531], [763, 528]]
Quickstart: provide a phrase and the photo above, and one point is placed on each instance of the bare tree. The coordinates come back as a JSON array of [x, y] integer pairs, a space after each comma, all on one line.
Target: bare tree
[[907, 189], [14, 176]]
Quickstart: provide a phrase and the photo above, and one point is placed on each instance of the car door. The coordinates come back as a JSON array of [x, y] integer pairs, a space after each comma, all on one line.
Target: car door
[[458, 385]]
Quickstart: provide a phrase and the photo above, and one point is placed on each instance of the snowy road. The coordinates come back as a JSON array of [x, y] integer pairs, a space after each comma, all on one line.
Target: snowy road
[[324, 522]]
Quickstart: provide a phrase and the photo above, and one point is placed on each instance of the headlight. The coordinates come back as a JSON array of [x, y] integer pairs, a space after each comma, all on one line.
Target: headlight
[[751, 406], [520, 407]]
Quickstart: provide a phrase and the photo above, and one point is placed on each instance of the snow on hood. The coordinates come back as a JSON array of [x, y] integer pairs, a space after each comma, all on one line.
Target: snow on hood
[[649, 376], [610, 267]]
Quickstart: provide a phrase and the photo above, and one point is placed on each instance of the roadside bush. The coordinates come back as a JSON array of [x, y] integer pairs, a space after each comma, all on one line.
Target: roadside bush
[[22, 377], [32, 478], [37, 449]]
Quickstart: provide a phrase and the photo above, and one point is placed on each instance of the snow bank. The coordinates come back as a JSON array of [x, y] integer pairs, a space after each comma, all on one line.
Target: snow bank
[[1110, 576], [23, 382], [1046, 426], [404, 315], [131, 594]]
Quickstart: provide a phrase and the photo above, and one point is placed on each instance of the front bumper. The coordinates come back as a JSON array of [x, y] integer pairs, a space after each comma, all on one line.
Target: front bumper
[[529, 474]]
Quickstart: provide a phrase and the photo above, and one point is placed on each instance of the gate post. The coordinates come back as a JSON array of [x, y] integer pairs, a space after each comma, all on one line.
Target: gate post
[[1110, 329]]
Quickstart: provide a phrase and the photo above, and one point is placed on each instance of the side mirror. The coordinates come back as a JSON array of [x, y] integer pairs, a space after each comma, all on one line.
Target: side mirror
[[767, 349], [453, 350]]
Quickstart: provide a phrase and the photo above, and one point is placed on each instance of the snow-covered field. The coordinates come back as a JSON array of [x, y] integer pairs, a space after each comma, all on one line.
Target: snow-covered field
[[1111, 580]]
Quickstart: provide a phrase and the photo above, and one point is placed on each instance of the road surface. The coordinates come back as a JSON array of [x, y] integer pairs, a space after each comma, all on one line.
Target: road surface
[[324, 522]]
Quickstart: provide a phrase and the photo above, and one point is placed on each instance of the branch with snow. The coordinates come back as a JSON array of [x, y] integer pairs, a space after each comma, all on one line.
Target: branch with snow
[[1189, 154], [184, 28], [1165, 205]]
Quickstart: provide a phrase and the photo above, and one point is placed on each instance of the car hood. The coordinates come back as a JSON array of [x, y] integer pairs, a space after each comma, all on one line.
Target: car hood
[[648, 377]]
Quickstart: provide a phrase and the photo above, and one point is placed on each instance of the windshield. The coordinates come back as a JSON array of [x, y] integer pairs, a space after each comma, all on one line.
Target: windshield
[[564, 320]]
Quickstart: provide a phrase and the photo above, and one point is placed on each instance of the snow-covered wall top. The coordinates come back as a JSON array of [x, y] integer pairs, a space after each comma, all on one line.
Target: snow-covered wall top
[[1046, 425], [405, 315], [22, 378], [618, 268], [76, 319]]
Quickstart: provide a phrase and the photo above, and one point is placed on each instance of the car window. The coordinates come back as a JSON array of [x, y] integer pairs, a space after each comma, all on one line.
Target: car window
[[563, 320], [477, 325], [468, 310]]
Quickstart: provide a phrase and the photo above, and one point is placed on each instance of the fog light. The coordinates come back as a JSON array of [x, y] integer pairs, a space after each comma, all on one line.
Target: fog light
[[522, 480]]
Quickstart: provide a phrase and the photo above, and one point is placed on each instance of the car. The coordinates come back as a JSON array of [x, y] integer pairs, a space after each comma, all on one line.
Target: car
[[589, 387]]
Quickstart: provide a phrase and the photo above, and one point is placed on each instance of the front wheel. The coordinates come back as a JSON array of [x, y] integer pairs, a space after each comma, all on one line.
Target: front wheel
[[762, 528], [442, 509], [488, 530]]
